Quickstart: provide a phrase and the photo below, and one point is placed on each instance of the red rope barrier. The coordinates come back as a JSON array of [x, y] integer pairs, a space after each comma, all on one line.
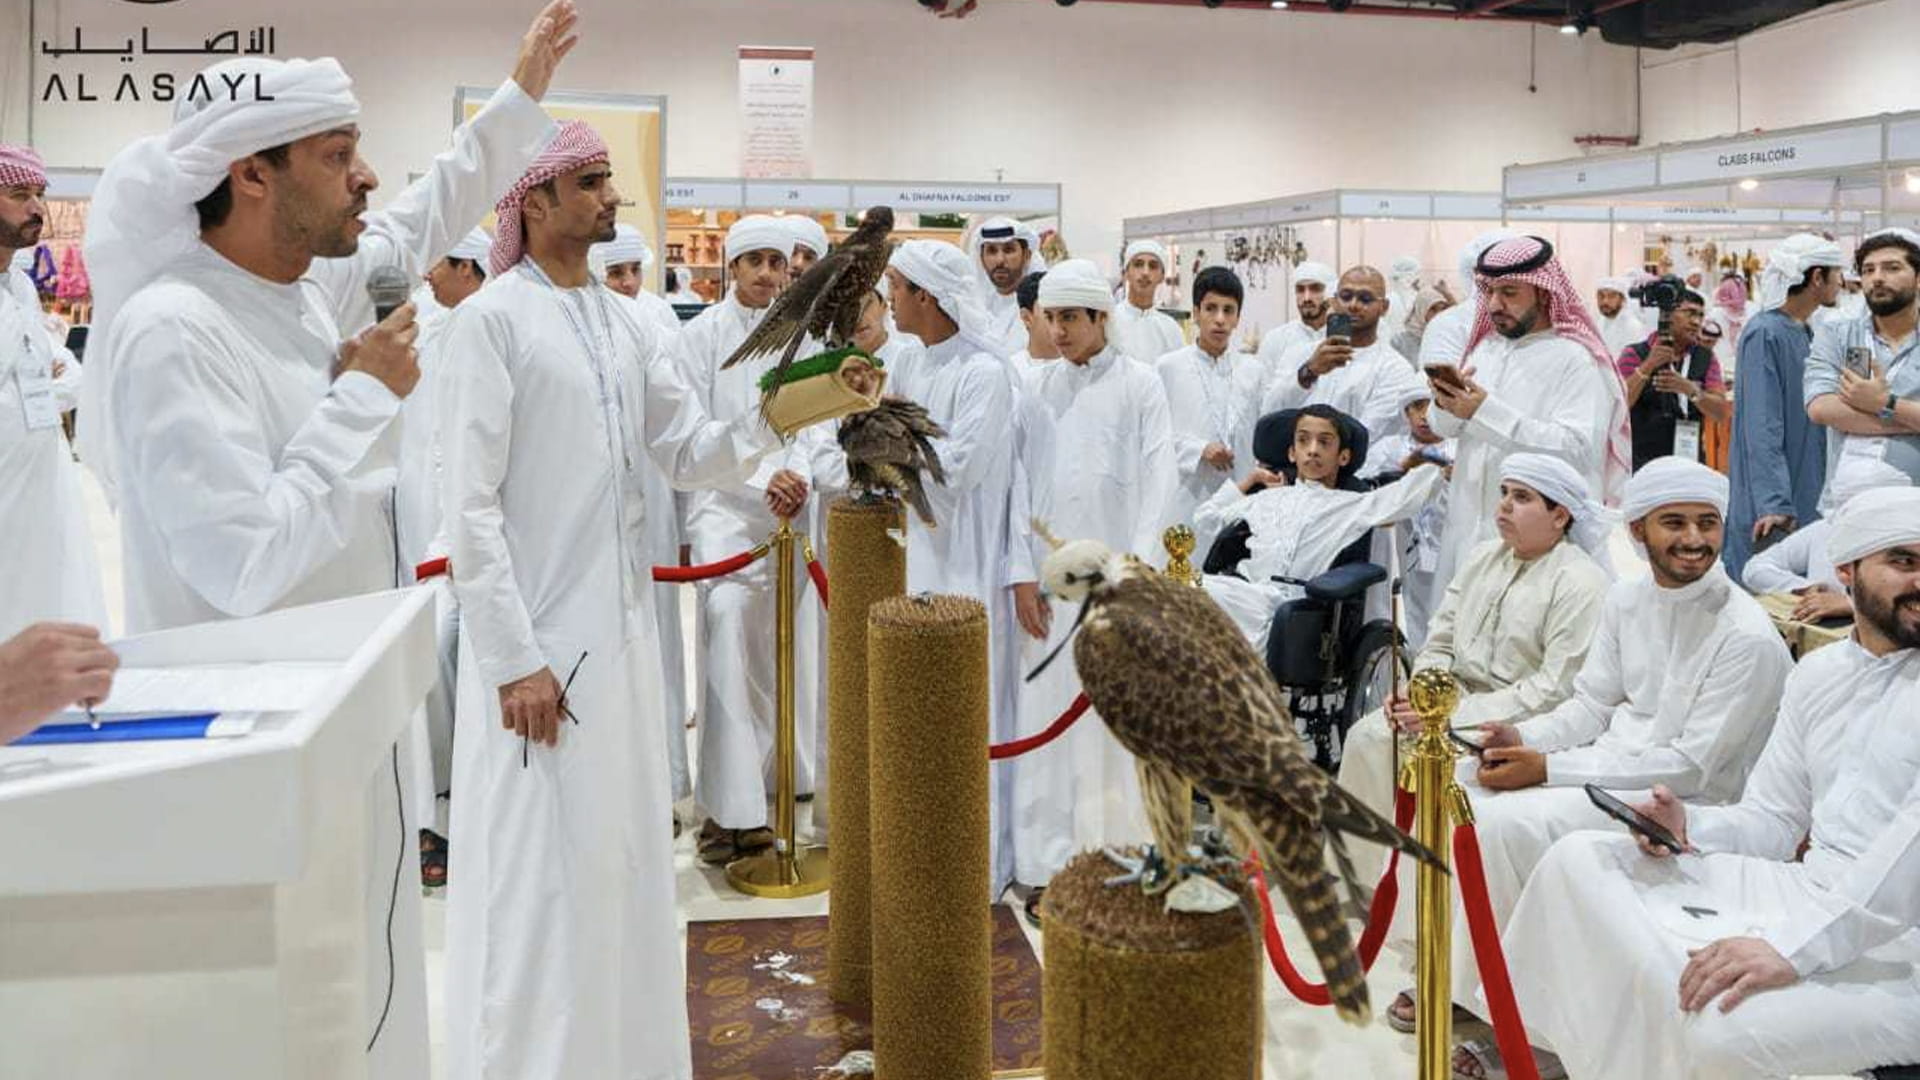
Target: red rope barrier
[[1379, 917], [819, 575], [1516, 1052], [432, 568], [1015, 747], [709, 570]]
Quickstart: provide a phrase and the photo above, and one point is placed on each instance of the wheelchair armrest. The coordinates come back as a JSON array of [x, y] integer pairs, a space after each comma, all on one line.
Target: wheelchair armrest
[[1346, 582]]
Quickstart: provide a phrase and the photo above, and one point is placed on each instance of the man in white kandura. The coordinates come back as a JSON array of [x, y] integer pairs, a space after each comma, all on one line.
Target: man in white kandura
[[966, 390], [1006, 252], [1744, 958], [1536, 378], [1112, 475], [417, 522], [563, 959], [1361, 375], [227, 252], [737, 713], [1140, 329], [52, 571], [1213, 395], [1447, 334], [622, 263], [1037, 348], [1313, 287], [1799, 565], [1619, 319], [1513, 628], [1679, 688]]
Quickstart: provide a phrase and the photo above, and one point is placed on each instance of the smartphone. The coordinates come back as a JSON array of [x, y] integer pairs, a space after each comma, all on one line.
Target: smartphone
[[1860, 360], [1772, 537], [1340, 326], [1469, 745], [77, 342], [1633, 819], [1447, 375]]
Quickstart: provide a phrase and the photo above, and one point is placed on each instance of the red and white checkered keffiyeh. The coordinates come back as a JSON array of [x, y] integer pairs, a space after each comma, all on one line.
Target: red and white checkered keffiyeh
[[20, 166], [1535, 264], [575, 144]]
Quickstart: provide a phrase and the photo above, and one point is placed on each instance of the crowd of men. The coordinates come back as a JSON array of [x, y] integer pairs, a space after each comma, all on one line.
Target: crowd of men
[[553, 431]]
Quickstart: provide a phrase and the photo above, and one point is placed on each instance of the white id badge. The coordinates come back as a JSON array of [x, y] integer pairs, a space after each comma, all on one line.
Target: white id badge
[[36, 392], [1686, 440]]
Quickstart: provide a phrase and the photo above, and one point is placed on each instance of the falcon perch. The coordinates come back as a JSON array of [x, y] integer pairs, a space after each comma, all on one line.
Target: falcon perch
[[825, 302], [888, 450], [1182, 690]]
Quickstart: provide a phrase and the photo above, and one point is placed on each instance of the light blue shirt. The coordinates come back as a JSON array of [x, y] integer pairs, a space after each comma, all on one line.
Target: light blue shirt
[[1831, 340]]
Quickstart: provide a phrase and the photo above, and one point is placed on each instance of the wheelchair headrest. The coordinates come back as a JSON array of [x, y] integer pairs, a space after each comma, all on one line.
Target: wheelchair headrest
[[1273, 437]]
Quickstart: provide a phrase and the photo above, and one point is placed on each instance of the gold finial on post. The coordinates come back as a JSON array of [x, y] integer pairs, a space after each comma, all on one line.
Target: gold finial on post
[[1434, 694], [1179, 542]]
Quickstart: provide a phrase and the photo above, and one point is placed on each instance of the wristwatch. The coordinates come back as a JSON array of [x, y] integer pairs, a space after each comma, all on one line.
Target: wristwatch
[[1893, 404]]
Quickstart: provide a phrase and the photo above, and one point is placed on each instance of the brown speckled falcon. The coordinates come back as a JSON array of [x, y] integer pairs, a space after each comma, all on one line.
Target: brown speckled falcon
[[1182, 690], [826, 301], [888, 449]]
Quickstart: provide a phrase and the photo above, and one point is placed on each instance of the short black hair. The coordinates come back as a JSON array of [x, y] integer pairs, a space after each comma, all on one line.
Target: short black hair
[[1221, 281], [1332, 416], [472, 265], [1688, 296], [1806, 281], [215, 207], [1886, 240], [1028, 291]]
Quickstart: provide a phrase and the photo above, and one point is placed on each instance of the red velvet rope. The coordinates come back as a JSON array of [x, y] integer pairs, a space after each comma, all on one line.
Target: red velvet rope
[[819, 575], [432, 568], [1016, 747], [708, 570], [1516, 1052], [1379, 917]]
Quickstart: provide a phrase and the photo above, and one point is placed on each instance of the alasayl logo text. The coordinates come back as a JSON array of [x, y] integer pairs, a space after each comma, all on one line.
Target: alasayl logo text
[[120, 65]]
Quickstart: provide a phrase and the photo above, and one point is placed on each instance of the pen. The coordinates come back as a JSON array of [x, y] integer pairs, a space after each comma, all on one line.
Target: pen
[[91, 719]]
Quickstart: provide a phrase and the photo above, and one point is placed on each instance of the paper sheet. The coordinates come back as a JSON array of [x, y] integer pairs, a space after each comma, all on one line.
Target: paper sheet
[[224, 688]]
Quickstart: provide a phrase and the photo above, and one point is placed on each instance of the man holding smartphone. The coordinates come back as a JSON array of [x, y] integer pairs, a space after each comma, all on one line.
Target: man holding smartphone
[[1673, 381], [1780, 964], [1863, 378], [1353, 369]]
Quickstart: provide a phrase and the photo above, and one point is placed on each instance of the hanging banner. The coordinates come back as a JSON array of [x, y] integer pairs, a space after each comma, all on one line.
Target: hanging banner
[[776, 112]]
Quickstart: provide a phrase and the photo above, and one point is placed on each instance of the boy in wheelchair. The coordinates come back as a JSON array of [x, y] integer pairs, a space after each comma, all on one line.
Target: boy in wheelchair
[[1297, 515]]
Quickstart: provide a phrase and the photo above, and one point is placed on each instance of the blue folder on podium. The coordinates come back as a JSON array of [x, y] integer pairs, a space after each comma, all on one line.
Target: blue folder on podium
[[204, 725]]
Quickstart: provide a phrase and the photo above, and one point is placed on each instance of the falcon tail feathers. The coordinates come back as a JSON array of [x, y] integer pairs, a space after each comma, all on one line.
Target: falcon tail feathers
[[1344, 813], [1297, 866]]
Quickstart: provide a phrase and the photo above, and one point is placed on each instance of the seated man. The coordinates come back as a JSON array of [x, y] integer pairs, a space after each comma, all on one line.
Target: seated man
[[1514, 626], [1679, 688], [1798, 564], [1740, 959], [1297, 530]]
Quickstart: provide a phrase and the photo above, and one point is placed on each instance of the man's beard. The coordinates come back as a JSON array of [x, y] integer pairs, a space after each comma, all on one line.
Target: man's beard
[[1884, 615], [1900, 301], [1673, 571], [16, 237], [1520, 327], [325, 236]]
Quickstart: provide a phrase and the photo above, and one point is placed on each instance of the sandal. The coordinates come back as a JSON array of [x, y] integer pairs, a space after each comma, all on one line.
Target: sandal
[[1475, 1059], [715, 845], [433, 860], [1402, 1015]]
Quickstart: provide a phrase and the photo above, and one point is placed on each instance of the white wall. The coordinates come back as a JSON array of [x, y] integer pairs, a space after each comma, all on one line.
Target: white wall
[[1134, 109], [1838, 62]]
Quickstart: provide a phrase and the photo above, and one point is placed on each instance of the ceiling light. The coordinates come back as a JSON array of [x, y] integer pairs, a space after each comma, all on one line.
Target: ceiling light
[[1749, 184], [1913, 184], [1278, 5], [1569, 29]]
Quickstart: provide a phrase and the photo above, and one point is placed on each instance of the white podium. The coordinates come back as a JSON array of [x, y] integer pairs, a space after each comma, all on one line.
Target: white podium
[[201, 908]]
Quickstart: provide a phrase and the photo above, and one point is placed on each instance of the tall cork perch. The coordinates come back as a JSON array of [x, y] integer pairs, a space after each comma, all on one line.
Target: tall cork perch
[[864, 565], [1132, 992], [932, 942]]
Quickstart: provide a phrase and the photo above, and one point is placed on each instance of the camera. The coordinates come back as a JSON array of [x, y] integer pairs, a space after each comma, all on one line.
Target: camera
[[1662, 292]]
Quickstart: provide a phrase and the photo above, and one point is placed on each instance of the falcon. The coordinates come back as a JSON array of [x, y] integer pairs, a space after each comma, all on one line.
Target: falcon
[[888, 449], [825, 302], [1184, 693]]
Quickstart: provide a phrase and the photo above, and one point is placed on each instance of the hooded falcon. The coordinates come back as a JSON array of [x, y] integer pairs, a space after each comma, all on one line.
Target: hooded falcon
[[825, 302], [888, 448], [1181, 689]]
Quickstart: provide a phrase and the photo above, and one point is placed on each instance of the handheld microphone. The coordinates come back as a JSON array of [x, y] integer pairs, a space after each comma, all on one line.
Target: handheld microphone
[[388, 287]]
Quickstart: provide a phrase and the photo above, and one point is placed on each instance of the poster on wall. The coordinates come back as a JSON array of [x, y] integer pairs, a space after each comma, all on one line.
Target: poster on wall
[[776, 111], [635, 129]]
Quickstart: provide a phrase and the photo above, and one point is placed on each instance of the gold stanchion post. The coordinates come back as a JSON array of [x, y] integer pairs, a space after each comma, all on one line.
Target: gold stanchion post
[[786, 871], [1429, 775]]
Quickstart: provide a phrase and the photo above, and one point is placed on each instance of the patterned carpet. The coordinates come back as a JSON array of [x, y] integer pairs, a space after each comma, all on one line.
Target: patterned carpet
[[757, 1001]]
